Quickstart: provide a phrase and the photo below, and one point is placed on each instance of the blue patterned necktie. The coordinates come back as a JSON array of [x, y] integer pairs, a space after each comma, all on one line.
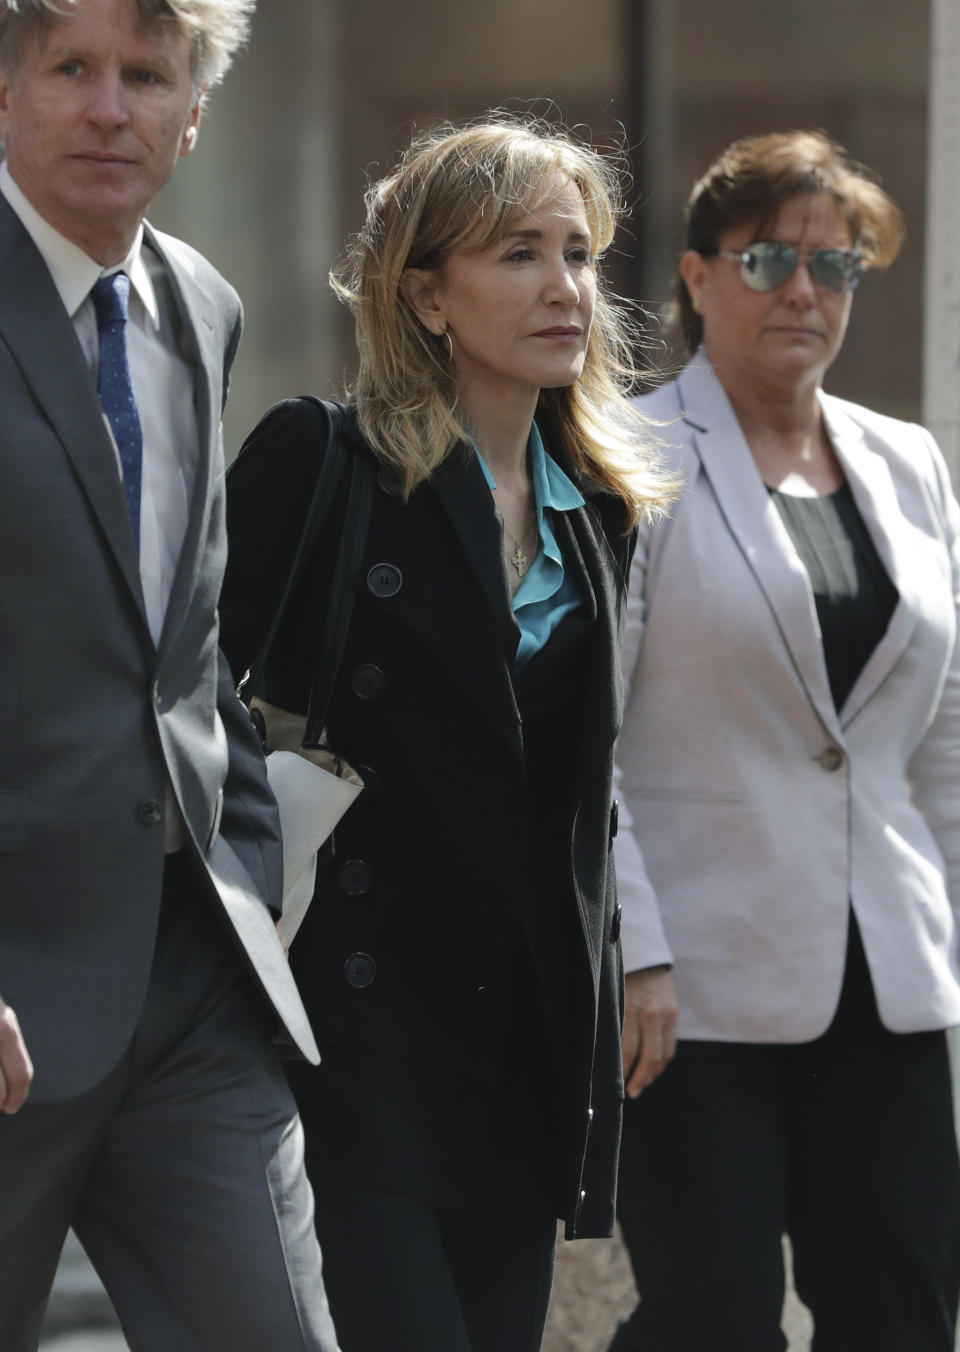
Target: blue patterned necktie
[[111, 300]]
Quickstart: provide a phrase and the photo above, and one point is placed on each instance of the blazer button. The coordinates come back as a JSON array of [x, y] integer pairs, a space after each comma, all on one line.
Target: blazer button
[[355, 878], [384, 580], [359, 971], [371, 781], [150, 812], [831, 758], [368, 681], [614, 820], [615, 924]]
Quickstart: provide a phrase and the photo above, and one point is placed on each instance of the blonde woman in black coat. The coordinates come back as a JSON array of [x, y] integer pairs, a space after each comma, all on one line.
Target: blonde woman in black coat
[[461, 961]]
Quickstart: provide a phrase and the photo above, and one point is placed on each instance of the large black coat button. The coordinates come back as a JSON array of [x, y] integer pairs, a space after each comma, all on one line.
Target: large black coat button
[[384, 580], [355, 878], [616, 923], [614, 820], [150, 812], [368, 681], [390, 482], [359, 971]]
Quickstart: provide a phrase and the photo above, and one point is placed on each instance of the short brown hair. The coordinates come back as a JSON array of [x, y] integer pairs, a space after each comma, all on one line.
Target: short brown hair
[[752, 179], [216, 28]]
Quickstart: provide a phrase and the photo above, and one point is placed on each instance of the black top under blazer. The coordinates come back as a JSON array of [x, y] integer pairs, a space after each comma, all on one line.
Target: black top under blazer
[[451, 876]]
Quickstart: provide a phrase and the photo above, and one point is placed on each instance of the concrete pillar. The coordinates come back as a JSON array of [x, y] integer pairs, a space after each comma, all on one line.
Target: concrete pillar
[[941, 383], [261, 198]]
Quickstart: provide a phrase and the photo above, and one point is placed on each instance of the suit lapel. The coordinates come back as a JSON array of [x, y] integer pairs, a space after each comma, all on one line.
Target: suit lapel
[[868, 475], [199, 343], [755, 524], [41, 338]]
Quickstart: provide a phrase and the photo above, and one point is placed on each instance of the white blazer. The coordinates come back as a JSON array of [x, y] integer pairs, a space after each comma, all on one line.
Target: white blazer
[[752, 813]]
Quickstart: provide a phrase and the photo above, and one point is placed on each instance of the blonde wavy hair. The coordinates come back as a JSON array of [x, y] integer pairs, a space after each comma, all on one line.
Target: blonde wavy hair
[[462, 189]]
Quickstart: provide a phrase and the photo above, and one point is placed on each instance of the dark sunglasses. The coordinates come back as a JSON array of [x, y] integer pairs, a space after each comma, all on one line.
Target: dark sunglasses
[[767, 265]]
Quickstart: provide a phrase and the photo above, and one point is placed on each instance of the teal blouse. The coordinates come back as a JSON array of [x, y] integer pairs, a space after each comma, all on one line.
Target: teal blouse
[[546, 593]]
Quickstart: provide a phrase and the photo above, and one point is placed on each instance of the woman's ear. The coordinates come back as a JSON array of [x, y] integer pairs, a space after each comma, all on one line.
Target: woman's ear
[[693, 270], [420, 288]]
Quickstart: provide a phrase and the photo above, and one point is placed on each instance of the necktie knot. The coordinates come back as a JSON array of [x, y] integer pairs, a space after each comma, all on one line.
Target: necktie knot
[[111, 299]]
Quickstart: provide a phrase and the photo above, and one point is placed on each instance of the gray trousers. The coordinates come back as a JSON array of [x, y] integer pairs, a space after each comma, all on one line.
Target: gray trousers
[[181, 1172]]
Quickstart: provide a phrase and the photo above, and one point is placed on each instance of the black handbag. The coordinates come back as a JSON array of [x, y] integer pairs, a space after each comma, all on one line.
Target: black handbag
[[314, 786]]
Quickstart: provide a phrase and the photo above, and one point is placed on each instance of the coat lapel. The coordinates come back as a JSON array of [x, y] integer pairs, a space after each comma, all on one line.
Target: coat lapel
[[755, 525], [469, 626], [463, 493], [39, 334], [868, 475], [585, 546]]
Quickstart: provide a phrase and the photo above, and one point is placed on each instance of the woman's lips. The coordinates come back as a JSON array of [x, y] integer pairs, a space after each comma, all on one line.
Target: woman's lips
[[559, 334]]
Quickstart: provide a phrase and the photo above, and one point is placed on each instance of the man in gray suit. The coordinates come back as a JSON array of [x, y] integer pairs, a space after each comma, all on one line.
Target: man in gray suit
[[139, 843]]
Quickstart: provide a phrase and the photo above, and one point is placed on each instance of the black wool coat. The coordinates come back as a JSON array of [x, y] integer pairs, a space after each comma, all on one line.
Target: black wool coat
[[437, 896]]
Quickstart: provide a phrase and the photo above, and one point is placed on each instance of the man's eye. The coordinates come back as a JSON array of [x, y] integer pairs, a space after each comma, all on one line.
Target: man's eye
[[146, 77], [69, 68]]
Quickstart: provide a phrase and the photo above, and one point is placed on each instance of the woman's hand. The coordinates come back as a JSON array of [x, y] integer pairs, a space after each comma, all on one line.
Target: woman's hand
[[649, 1037]]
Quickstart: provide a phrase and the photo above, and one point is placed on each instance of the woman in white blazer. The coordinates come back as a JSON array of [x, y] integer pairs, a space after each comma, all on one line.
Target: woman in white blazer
[[789, 849]]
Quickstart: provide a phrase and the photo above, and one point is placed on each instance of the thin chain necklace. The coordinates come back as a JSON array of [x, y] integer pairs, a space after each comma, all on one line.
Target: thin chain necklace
[[519, 557]]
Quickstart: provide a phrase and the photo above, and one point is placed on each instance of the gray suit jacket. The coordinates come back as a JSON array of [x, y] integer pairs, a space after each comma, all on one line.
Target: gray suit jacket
[[753, 812], [94, 717]]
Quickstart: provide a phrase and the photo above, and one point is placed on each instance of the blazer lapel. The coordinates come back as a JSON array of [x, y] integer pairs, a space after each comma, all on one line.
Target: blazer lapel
[[199, 343], [40, 335], [755, 525], [868, 475]]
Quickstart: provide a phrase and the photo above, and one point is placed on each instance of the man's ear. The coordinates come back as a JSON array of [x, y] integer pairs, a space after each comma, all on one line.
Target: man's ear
[[420, 288], [192, 130], [4, 103]]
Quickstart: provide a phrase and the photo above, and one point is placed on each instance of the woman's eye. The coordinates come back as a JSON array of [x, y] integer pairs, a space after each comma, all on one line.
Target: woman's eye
[[578, 256], [519, 255]]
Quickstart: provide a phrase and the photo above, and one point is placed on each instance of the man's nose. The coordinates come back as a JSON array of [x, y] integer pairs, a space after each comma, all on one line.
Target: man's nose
[[109, 105]]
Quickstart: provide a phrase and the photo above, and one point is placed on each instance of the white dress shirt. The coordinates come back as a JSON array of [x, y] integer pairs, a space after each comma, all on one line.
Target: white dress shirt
[[164, 387]]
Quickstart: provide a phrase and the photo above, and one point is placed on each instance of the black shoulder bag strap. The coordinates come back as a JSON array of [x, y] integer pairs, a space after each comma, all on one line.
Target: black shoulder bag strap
[[352, 544]]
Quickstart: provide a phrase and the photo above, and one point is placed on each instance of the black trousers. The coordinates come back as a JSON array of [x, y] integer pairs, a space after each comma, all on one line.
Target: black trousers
[[847, 1143], [404, 1277]]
